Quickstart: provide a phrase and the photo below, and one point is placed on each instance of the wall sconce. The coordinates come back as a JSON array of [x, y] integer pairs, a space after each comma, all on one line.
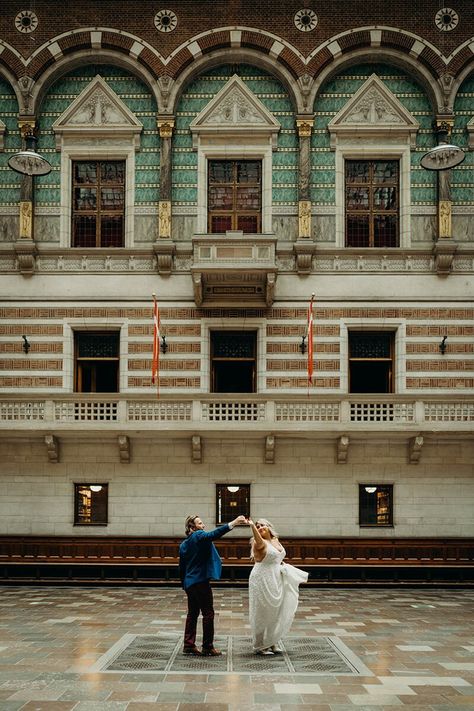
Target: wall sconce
[[303, 347], [163, 345], [442, 345], [26, 344]]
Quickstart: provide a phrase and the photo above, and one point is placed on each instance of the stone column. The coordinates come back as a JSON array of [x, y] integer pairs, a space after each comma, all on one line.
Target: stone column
[[164, 247], [304, 247], [25, 247], [445, 246]]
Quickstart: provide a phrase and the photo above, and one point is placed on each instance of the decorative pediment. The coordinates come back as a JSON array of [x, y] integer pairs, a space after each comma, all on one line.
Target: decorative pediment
[[97, 112], [235, 110], [373, 111]]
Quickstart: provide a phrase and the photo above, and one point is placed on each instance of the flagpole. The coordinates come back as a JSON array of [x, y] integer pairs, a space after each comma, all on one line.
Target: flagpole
[[309, 342], [155, 363]]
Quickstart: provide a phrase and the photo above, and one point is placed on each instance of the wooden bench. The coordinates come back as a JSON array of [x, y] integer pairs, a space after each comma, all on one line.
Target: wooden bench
[[145, 559]]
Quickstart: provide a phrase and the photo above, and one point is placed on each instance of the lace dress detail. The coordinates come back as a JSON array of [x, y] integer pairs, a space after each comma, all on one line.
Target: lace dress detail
[[273, 598]]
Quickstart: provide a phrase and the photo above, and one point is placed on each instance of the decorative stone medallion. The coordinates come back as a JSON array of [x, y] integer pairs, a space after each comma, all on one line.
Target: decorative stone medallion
[[306, 20], [166, 21], [26, 21], [446, 19]]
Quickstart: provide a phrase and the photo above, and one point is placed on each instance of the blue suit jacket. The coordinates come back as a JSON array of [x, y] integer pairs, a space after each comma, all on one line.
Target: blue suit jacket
[[198, 557]]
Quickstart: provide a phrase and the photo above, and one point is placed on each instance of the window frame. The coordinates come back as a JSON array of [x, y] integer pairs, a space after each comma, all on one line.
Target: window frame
[[390, 360], [105, 488], [234, 213], [390, 523], [220, 520], [212, 360], [76, 365]]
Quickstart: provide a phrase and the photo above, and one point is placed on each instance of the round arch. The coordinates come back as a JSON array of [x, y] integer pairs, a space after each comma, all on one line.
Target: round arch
[[389, 56], [242, 56], [459, 80], [78, 59], [13, 81]]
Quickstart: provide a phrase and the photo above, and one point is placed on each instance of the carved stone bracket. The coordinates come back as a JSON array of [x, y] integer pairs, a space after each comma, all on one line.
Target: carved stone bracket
[[444, 251], [197, 288], [342, 449], [26, 252], [304, 250], [270, 289], [52, 447], [124, 448], [415, 445], [270, 449], [196, 449], [164, 250]]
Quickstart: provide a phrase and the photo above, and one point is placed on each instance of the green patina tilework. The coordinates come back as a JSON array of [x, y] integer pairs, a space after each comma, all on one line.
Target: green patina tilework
[[272, 95], [462, 185], [9, 180], [337, 92], [135, 95]]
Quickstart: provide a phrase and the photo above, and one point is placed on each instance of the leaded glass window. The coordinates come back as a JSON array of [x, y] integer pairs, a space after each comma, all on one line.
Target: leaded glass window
[[234, 195], [372, 203], [98, 204]]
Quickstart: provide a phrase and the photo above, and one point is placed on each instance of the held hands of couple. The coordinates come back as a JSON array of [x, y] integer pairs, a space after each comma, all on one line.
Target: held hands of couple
[[241, 521]]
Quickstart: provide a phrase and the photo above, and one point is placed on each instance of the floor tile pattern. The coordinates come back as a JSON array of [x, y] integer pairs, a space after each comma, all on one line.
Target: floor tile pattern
[[415, 648]]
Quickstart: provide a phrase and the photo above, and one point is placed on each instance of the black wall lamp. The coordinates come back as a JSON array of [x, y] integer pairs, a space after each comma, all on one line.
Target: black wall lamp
[[26, 344], [163, 345], [442, 345], [303, 345]]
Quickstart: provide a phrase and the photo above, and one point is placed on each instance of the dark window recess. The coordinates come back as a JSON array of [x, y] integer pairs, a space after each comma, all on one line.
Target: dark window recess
[[96, 361], [375, 505], [91, 504], [233, 361], [98, 203], [234, 195], [371, 361], [231, 501], [372, 203]]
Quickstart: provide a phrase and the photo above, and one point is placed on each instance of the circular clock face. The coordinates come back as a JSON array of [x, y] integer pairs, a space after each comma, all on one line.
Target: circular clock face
[[305, 20], [165, 21], [446, 19], [26, 21]]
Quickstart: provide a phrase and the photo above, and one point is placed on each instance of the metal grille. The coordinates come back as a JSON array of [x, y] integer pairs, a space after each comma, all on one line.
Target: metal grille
[[223, 411], [163, 652], [370, 345]]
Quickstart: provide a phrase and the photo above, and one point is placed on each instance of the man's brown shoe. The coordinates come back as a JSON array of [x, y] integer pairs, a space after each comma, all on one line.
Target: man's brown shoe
[[192, 650], [211, 652]]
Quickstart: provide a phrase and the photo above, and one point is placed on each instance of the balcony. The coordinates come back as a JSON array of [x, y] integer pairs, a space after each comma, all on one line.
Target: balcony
[[234, 268]]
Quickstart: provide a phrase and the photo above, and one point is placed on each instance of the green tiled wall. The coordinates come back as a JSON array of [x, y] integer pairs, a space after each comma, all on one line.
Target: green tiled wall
[[335, 94], [9, 180], [136, 96], [272, 95], [462, 186]]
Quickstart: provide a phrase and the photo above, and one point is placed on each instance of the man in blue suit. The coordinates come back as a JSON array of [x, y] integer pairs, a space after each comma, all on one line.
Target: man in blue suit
[[199, 563]]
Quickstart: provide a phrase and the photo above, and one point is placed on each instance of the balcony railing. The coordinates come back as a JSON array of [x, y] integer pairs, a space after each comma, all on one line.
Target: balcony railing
[[211, 412]]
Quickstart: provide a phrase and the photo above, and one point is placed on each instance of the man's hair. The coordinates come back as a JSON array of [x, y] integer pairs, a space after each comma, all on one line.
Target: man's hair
[[189, 526]]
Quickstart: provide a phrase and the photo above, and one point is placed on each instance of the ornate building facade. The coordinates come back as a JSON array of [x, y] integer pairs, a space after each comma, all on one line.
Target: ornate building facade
[[233, 159]]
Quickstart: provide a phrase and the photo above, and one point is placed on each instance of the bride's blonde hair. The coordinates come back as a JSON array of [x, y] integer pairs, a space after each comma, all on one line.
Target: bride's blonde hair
[[270, 527]]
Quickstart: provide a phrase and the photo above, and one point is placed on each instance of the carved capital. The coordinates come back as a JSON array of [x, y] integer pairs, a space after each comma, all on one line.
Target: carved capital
[[270, 449], [196, 449], [444, 125], [415, 445], [444, 251], [52, 447], [304, 250], [342, 449], [304, 126], [27, 126], [124, 448], [165, 126], [26, 252], [164, 250]]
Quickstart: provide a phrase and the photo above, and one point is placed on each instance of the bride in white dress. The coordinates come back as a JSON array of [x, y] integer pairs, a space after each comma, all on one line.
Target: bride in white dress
[[273, 589]]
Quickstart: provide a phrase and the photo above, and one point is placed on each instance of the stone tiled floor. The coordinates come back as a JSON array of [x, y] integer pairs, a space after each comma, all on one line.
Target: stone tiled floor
[[417, 644]]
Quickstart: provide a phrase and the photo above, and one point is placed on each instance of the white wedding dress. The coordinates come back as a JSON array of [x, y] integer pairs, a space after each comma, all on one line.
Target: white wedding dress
[[273, 597]]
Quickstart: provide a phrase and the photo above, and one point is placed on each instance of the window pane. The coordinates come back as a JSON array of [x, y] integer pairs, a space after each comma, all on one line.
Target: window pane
[[111, 198], [357, 199], [85, 172], [375, 505], [357, 172], [111, 231], [84, 231], [220, 171], [97, 345], [112, 172], [85, 199], [369, 344], [248, 223], [386, 171], [230, 504], [385, 231], [233, 344], [220, 223], [248, 172], [385, 198], [220, 198], [90, 507], [357, 230], [248, 198]]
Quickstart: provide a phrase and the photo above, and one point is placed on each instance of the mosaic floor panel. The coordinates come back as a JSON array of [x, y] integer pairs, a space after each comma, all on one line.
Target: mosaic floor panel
[[163, 652]]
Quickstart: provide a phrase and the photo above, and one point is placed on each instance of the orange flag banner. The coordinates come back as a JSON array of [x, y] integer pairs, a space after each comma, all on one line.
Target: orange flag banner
[[309, 340], [155, 363]]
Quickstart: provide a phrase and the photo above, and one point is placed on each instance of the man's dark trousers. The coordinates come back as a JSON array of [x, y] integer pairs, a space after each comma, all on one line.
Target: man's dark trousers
[[200, 600]]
